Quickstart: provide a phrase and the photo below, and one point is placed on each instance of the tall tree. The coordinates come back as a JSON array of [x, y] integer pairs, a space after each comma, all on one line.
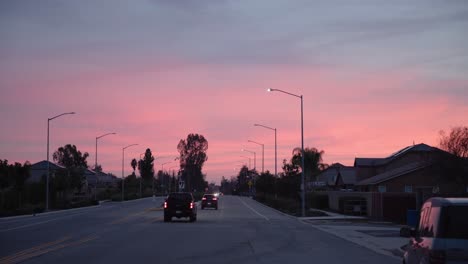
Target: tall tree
[[456, 142], [192, 158], [69, 156], [75, 163], [146, 166], [134, 164], [312, 161]]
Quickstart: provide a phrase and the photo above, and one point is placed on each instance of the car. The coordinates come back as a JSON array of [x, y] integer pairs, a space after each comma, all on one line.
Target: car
[[442, 233], [209, 200], [180, 204]]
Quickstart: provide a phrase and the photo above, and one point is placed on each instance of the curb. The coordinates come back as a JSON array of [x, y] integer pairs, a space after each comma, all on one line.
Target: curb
[[50, 212], [274, 209]]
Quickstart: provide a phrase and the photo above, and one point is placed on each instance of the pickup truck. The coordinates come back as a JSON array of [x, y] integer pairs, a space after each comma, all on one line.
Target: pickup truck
[[180, 204]]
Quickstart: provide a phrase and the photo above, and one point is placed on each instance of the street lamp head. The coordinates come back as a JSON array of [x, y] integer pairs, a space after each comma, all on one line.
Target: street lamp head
[[269, 90]]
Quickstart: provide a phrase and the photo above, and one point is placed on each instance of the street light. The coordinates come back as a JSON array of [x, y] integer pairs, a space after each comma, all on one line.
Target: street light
[[246, 158], [263, 152], [123, 158], [162, 171], [274, 129], [48, 167], [302, 143], [255, 157], [95, 162]]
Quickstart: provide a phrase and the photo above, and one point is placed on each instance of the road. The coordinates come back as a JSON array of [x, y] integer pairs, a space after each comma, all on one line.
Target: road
[[241, 231]]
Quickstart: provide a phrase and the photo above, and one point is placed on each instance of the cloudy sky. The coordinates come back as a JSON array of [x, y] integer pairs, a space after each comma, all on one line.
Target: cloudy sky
[[376, 76]]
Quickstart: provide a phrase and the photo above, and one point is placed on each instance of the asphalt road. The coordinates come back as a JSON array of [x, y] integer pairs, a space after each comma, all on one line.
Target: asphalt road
[[241, 231]]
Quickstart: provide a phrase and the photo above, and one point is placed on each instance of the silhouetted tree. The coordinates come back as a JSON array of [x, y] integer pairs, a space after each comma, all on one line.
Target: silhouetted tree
[[75, 163], [312, 161], [456, 142], [146, 166], [134, 164], [69, 156], [192, 158]]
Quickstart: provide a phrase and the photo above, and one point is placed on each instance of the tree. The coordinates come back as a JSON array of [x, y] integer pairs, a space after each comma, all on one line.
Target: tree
[[146, 166], [456, 142], [312, 161], [192, 158], [69, 156], [134, 165], [98, 168], [75, 163]]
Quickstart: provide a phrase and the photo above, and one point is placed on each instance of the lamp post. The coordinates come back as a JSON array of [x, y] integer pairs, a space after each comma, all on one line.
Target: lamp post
[[255, 157], [247, 158], [162, 173], [95, 162], [263, 152], [139, 163], [274, 129], [48, 167], [170, 177], [302, 143], [123, 158]]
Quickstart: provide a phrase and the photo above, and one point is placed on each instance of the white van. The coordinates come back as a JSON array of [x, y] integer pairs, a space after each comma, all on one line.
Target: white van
[[442, 234]]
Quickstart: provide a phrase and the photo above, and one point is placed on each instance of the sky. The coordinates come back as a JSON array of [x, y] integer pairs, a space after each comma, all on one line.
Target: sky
[[375, 77]]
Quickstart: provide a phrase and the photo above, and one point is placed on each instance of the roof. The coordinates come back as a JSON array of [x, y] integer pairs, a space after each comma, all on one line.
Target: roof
[[348, 175], [42, 165], [438, 201], [330, 175], [382, 161], [397, 172]]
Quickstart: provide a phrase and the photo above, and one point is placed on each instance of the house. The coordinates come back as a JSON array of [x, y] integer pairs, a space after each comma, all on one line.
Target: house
[[105, 180], [335, 177], [414, 169], [39, 170], [388, 187]]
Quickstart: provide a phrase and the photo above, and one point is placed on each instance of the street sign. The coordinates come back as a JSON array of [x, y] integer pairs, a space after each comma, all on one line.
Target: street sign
[[181, 185]]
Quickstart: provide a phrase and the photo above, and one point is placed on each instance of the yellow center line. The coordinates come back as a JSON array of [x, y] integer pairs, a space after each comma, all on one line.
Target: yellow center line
[[33, 249], [126, 218], [40, 252], [121, 220]]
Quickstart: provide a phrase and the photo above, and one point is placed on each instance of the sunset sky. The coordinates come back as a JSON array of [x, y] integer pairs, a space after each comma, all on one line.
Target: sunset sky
[[375, 75]]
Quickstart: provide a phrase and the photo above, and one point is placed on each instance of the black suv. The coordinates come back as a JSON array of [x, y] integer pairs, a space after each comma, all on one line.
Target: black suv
[[209, 200], [180, 205]]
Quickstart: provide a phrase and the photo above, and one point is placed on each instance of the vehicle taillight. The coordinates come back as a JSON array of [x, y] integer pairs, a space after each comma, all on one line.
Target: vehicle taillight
[[191, 205], [436, 256], [165, 205], [214, 198], [203, 198]]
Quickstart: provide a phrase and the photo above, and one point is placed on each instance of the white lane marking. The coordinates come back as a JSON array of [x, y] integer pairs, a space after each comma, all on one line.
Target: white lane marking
[[39, 223], [253, 210]]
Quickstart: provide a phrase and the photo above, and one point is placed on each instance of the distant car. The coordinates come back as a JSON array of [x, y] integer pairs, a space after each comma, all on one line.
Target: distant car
[[442, 234], [179, 205], [209, 200]]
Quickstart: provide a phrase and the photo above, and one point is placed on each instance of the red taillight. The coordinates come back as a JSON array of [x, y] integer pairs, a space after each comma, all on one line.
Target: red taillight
[[436, 256], [203, 198], [165, 205], [191, 205], [214, 198]]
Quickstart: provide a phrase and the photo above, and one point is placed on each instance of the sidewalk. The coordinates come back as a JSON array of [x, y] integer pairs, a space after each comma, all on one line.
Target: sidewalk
[[380, 237]]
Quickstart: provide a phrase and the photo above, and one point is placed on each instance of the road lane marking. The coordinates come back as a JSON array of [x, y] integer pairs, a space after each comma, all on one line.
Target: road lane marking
[[39, 223], [57, 247], [124, 219], [33, 249], [45, 248], [253, 210]]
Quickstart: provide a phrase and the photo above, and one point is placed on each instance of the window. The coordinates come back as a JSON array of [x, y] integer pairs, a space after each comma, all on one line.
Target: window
[[453, 222], [408, 189], [382, 188]]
